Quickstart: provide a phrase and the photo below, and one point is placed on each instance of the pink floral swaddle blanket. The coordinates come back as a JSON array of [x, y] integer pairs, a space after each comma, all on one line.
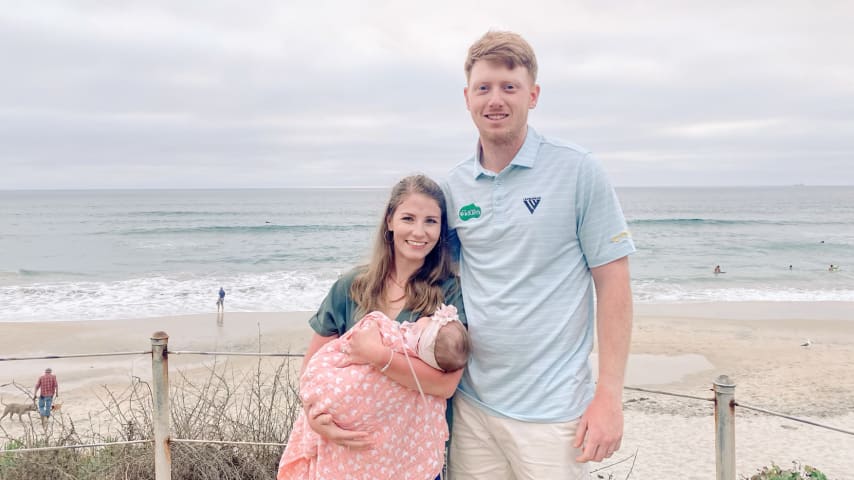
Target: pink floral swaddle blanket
[[409, 431]]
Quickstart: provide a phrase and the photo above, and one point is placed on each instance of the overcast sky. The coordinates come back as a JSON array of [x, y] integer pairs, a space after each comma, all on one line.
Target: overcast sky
[[208, 93]]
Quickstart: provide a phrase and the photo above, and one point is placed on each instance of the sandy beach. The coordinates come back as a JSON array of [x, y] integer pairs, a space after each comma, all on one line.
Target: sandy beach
[[675, 348]]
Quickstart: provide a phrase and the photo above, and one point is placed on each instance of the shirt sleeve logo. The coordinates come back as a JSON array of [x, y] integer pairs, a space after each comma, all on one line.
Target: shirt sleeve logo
[[625, 234], [469, 212], [531, 203]]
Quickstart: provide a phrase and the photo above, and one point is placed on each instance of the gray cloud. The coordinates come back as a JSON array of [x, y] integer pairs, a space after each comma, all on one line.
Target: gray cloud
[[209, 94]]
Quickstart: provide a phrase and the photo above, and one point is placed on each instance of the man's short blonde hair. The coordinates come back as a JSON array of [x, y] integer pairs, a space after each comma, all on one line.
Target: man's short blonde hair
[[505, 48]]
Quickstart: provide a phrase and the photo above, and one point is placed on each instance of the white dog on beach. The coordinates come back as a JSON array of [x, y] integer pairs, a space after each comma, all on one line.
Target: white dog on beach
[[17, 408]]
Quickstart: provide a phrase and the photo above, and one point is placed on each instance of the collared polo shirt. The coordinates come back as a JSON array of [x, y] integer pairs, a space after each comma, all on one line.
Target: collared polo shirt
[[528, 236]]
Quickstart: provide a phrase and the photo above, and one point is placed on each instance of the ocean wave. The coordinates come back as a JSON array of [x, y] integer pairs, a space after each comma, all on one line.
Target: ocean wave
[[266, 228], [44, 273], [679, 221], [183, 213], [672, 293]]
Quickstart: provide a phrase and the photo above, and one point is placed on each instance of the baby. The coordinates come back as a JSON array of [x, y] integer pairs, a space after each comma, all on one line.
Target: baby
[[408, 427], [440, 341]]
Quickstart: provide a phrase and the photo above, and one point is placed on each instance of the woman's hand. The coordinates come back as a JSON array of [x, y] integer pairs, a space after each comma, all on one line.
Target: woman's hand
[[365, 345], [328, 429]]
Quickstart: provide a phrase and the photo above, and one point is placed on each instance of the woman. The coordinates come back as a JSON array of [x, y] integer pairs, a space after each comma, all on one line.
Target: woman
[[409, 276]]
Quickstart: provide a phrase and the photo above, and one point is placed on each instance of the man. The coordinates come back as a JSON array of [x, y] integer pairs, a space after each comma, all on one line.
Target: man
[[539, 227], [49, 388], [220, 303]]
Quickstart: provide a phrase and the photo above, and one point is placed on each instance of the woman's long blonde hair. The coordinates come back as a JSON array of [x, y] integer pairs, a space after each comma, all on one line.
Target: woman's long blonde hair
[[424, 289]]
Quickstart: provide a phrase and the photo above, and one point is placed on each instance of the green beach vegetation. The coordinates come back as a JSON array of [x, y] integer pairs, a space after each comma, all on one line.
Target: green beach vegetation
[[797, 472]]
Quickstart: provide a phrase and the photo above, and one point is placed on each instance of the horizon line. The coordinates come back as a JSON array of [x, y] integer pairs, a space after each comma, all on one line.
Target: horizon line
[[375, 187]]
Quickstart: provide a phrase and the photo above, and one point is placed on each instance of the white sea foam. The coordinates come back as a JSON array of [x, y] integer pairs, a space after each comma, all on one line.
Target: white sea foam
[[163, 295], [179, 294], [671, 293]]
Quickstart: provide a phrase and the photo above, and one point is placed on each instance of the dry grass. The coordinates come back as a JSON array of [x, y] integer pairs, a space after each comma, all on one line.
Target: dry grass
[[256, 404], [250, 405]]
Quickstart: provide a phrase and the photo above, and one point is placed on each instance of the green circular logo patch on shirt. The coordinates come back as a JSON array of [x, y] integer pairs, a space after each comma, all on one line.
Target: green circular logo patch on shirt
[[469, 211]]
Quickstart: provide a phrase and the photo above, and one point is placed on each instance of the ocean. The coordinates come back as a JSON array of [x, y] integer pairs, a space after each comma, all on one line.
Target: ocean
[[111, 254]]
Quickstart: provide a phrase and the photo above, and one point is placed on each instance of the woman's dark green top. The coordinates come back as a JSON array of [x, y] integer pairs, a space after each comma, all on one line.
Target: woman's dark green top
[[337, 313]]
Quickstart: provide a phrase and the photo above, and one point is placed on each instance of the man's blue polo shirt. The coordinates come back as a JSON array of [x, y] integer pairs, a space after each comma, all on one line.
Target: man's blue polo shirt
[[528, 236]]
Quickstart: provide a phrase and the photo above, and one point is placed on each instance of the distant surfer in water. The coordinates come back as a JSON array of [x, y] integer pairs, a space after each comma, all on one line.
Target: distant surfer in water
[[718, 269]]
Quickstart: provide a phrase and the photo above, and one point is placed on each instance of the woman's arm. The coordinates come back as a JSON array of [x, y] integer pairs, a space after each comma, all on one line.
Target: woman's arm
[[323, 423], [432, 381], [366, 347], [314, 345]]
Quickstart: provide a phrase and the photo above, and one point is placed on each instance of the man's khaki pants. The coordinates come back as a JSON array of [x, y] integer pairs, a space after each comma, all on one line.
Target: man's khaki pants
[[484, 447]]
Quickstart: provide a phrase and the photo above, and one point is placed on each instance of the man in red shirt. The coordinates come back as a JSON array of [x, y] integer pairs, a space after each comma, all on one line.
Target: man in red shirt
[[49, 389]]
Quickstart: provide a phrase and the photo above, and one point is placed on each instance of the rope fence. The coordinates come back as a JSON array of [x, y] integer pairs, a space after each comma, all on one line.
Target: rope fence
[[75, 355], [746, 407], [723, 399], [659, 392], [227, 442], [235, 354], [72, 447], [796, 419]]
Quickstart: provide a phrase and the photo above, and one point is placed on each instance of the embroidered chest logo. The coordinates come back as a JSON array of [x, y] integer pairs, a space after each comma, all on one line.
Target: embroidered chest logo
[[469, 211], [531, 203]]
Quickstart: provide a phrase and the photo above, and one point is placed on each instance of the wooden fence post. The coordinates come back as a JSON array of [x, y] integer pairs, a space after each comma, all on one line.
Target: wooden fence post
[[724, 428], [160, 380]]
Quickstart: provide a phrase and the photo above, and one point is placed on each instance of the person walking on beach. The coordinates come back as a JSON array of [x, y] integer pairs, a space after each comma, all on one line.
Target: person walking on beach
[[538, 227], [49, 387], [409, 275], [220, 303]]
